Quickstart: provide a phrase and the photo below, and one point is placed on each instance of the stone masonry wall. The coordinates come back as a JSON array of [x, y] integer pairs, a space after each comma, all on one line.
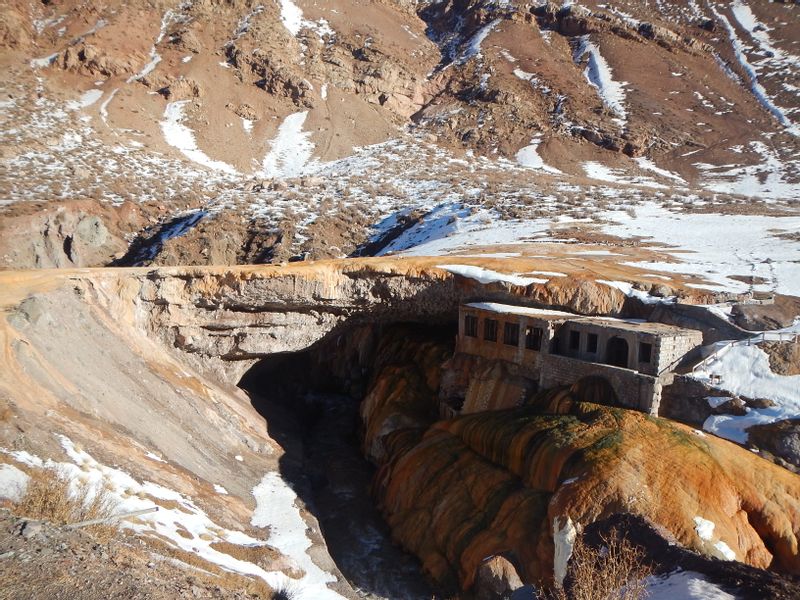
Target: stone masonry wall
[[634, 390]]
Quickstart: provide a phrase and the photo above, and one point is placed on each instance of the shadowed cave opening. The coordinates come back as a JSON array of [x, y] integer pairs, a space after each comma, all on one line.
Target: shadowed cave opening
[[310, 401]]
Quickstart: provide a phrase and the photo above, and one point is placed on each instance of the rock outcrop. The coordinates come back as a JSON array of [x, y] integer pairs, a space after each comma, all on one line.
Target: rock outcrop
[[497, 484]]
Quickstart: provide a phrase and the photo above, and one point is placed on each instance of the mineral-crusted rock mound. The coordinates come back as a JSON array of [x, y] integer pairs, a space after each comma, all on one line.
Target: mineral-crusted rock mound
[[500, 484]]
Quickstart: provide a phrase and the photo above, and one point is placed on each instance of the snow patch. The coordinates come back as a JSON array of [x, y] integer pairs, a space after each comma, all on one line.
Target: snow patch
[[104, 106], [684, 585], [292, 19], [563, 541], [154, 457], [486, 276], [743, 246], [599, 74], [739, 49], [649, 165], [704, 528], [744, 371], [472, 47], [13, 482], [46, 61], [186, 526], [179, 136], [88, 98], [276, 509], [291, 149], [628, 289], [155, 58], [529, 157]]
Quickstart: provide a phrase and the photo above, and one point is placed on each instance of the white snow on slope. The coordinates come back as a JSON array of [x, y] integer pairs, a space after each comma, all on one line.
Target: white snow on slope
[[599, 75], [88, 98], [472, 47], [488, 276], [684, 585], [45, 61], [291, 150], [529, 157], [714, 246], [563, 542], [104, 106], [649, 165], [173, 525], [179, 136], [745, 371], [451, 226], [705, 531], [243, 26], [628, 289], [13, 482], [758, 90], [155, 57], [291, 16], [292, 19], [601, 172], [767, 179], [275, 504]]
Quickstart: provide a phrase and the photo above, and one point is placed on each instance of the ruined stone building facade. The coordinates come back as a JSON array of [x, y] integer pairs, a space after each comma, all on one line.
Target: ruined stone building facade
[[549, 348]]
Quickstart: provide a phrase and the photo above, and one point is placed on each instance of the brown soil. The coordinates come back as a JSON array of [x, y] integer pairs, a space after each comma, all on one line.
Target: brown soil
[[58, 563]]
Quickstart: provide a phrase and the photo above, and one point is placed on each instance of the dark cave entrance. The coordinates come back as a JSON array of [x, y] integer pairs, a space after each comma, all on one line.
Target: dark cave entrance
[[310, 401]]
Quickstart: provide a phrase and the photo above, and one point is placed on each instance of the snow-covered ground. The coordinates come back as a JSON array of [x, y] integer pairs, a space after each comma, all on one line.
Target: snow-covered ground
[[715, 246], [488, 276], [684, 585], [188, 527], [290, 151], [180, 136], [744, 370], [772, 57], [598, 73]]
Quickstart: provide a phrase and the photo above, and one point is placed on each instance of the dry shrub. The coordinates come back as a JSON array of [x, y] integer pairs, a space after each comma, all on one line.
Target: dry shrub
[[263, 556], [209, 573], [615, 571], [48, 498]]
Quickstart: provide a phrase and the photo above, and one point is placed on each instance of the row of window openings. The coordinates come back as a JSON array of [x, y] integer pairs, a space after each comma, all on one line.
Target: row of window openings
[[533, 337]]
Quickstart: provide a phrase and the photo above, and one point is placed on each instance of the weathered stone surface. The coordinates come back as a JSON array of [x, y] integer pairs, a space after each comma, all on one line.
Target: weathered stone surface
[[492, 483], [496, 579], [784, 357], [781, 439], [758, 317]]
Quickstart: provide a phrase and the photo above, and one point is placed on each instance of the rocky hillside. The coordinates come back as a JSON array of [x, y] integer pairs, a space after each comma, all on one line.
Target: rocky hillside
[[245, 132]]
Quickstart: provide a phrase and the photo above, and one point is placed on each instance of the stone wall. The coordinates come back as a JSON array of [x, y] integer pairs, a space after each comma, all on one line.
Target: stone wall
[[528, 360], [634, 390], [672, 349]]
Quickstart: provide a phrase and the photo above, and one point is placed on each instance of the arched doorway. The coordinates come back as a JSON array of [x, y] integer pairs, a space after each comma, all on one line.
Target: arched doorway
[[617, 352]]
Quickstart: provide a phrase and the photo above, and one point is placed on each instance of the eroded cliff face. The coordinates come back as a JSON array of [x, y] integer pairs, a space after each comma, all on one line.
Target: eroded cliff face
[[222, 320]]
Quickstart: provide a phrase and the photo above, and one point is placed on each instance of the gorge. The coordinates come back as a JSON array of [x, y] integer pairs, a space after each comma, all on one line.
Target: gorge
[[344, 360]]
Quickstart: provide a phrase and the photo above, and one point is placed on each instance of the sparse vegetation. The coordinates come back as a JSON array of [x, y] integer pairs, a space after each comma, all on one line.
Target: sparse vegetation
[[48, 497], [615, 571]]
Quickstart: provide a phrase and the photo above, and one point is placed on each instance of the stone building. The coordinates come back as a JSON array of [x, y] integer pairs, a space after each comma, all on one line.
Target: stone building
[[550, 348]]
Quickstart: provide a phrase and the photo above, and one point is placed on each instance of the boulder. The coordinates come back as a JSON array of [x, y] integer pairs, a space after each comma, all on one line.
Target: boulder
[[496, 580]]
